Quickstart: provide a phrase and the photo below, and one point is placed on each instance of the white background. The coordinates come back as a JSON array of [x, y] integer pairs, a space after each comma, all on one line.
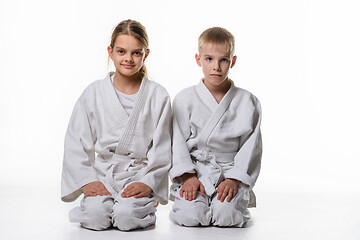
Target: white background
[[300, 58]]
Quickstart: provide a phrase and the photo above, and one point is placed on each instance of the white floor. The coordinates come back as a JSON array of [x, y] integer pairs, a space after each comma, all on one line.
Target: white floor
[[37, 213]]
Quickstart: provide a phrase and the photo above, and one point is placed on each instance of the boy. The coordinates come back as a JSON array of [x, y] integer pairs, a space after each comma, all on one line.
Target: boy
[[216, 141]]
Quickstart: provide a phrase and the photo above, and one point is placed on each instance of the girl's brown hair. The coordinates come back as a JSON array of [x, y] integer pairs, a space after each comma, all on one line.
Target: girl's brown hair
[[135, 29]]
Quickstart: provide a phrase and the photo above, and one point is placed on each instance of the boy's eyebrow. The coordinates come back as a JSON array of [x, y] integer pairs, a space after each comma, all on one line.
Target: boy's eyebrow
[[225, 56]]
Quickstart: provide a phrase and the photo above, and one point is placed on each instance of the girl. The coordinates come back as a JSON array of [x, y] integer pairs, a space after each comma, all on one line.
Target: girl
[[124, 118]]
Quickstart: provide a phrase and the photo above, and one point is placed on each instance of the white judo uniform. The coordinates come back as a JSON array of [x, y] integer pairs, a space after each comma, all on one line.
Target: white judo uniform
[[104, 143], [216, 141]]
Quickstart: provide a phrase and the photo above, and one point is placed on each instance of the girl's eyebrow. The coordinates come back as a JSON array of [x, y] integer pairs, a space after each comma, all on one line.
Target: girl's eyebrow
[[139, 50]]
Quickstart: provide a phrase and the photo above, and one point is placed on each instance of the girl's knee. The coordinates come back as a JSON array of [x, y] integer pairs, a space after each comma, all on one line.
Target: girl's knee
[[131, 213], [96, 212]]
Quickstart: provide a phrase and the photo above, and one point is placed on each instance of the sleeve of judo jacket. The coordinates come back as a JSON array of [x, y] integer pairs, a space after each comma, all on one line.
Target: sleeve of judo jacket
[[181, 161], [79, 153], [248, 159], [159, 155]]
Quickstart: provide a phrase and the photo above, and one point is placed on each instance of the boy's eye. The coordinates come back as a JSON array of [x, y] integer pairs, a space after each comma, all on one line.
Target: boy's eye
[[208, 59], [121, 52], [225, 60]]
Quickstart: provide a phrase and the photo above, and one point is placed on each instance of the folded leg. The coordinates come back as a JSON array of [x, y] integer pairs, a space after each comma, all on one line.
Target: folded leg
[[190, 213], [233, 213], [94, 212], [132, 213]]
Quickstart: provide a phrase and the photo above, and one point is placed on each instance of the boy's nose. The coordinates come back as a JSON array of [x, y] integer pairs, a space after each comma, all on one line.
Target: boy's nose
[[217, 67]]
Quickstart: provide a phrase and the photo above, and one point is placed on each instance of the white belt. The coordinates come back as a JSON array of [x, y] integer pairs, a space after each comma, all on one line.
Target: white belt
[[119, 165], [201, 158]]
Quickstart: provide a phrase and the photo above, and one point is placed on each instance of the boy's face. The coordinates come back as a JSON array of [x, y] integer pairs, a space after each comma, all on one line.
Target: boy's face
[[215, 61]]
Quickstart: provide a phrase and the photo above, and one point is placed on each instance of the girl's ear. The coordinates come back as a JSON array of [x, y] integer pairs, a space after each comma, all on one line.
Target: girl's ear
[[147, 51], [197, 58], [110, 50], [233, 61]]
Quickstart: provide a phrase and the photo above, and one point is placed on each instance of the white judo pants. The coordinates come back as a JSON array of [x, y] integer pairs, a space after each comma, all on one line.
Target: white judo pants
[[206, 210], [102, 212]]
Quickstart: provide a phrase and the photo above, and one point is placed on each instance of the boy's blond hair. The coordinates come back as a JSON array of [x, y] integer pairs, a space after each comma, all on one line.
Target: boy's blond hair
[[217, 35]]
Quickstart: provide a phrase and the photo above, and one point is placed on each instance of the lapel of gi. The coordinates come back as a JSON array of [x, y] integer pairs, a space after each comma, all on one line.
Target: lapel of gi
[[126, 138], [117, 109], [217, 115]]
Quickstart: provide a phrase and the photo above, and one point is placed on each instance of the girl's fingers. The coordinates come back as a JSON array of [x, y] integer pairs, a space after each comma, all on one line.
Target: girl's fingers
[[202, 190], [220, 192], [224, 194], [230, 195], [194, 193], [139, 195], [181, 192]]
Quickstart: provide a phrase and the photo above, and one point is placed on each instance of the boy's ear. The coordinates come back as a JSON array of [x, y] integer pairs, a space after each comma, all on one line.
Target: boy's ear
[[233, 61], [197, 58]]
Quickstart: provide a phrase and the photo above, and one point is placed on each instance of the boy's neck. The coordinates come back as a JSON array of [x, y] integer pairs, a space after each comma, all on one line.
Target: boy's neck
[[127, 84], [218, 91]]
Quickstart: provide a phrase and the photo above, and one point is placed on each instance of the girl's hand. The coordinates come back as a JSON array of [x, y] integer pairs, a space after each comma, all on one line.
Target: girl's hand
[[229, 188], [191, 186], [136, 190], [94, 189]]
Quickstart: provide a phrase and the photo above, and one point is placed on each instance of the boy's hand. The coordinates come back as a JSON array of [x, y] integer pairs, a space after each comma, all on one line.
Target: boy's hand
[[94, 189], [229, 188], [191, 186], [136, 190]]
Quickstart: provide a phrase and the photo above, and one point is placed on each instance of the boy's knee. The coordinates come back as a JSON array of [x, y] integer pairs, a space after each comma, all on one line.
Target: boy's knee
[[190, 213], [226, 214]]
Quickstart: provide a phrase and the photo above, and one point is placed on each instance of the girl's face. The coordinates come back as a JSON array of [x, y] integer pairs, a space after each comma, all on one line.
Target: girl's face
[[128, 55]]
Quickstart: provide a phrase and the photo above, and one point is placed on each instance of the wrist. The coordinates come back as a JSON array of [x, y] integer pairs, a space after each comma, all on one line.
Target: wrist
[[235, 181], [187, 176]]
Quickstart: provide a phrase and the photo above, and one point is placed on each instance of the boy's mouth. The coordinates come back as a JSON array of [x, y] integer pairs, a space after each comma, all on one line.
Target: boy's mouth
[[215, 75]]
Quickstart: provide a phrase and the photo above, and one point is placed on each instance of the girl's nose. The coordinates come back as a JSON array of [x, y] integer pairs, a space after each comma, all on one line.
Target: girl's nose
[[128, 57]]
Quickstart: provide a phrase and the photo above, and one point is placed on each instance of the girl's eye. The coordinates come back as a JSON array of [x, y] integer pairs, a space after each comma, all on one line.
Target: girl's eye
[[208, 59], [225, 60], [137, 53]]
